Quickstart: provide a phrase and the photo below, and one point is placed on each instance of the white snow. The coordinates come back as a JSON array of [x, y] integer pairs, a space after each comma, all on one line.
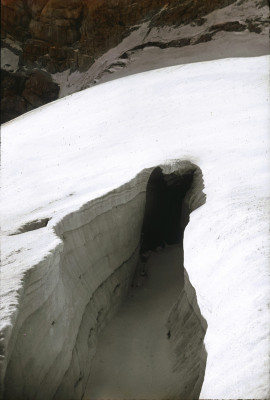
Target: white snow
[[216, 114], [9, 60]]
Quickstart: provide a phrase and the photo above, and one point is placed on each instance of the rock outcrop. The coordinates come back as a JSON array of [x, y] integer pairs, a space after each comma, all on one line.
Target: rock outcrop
[[22, 92], [60, 35]]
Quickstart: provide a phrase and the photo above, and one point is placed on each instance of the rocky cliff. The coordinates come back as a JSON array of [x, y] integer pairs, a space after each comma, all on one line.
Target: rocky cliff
[[59, 35], [24, 91], [79, 35]]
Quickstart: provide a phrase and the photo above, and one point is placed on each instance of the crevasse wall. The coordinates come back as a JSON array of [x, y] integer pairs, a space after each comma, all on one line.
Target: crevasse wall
[[97, 255], [188, 328], [186, 323], [70, 296]]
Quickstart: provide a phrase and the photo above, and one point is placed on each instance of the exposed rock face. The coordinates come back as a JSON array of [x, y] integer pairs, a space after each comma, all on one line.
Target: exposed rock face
[[52, 31], [23, 92], [39, 89], [12, 102]]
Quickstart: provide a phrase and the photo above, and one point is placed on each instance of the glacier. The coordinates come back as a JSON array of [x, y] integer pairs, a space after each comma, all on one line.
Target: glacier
[[74, 176]]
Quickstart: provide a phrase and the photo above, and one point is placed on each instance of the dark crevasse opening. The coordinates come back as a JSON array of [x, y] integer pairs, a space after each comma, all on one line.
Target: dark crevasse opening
[[165, 219], [167, 212], [153, 347]]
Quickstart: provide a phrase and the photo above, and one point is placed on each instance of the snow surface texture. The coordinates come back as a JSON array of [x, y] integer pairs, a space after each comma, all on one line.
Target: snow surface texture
[[61, 167]]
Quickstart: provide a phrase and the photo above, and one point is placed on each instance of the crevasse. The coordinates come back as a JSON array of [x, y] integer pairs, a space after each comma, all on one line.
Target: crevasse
[[73, 293]]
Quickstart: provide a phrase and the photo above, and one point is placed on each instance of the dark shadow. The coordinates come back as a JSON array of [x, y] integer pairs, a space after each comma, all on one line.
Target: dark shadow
[[167, 212], [165, 218], [32, 226]]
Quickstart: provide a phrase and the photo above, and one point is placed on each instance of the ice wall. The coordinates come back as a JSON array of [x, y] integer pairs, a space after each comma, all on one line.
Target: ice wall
[[187, 328], [71, 295], [186, 324], [54, 342]]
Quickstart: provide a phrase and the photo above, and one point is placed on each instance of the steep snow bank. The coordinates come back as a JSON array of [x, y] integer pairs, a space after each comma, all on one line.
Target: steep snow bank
[[140, 328], [64, 307], [59, 158], [66, 302], [187, 328]]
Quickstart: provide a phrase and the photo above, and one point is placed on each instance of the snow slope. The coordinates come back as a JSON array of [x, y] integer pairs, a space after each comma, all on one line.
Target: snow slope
[[59, 160]]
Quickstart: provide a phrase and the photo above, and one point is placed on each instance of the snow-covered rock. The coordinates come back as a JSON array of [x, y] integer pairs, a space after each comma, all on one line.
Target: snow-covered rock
[[77, 44], [241, 29], [74, 175]]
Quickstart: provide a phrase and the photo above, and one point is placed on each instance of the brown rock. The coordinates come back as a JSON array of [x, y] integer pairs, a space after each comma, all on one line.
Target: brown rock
[[206, 37], [39, 89], [233, 26], [11, 107], [21, 93], [91, 26], [15, 19]]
